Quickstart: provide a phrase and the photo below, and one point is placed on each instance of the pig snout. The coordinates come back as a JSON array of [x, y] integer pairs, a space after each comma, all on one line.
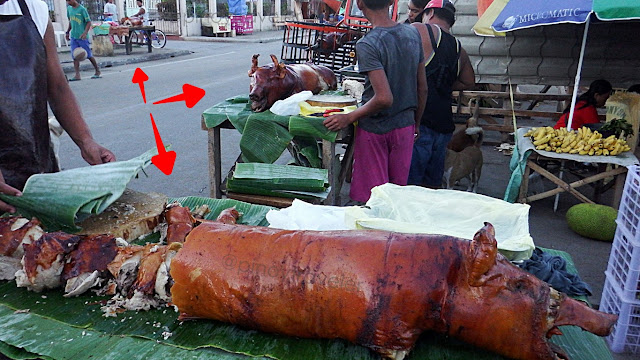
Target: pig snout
[[258, 99]]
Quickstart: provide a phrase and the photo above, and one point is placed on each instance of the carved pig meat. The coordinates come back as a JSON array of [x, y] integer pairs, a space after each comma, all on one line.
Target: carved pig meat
[[374, 288], [278, 81]]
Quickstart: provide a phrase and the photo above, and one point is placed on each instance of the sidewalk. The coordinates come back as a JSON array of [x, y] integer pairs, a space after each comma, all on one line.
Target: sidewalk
[[139, 53], [255, 37]]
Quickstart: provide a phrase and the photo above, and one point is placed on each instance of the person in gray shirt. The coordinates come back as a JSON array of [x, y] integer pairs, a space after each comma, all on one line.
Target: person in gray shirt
[[395, 93]]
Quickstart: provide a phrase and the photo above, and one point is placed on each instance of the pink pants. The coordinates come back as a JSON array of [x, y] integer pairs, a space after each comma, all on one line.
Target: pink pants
[[379, 159]]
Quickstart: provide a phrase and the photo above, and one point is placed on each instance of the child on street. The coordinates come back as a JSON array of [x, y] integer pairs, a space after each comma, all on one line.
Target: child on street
[[79, 26], [395, 93]]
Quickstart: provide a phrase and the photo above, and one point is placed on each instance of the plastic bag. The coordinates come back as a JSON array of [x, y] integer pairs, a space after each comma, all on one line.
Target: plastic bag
[[290, 106]]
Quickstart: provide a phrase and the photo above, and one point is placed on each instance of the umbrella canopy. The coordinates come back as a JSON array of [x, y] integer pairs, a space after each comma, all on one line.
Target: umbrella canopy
[[510, 15], [333, 4]]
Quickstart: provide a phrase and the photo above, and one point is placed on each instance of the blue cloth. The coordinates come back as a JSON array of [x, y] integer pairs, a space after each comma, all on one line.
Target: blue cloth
[[237, 7], [553, 270], [76, 43], [427, 161], [517, 166]]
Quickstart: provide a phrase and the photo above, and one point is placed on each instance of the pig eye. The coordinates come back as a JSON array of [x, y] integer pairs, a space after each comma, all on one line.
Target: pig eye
[[519, 285]]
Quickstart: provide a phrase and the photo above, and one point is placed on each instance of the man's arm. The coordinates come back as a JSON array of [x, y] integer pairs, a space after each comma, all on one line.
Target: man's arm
[[382, 99], [66, 108], [422, 95], [466, 78]]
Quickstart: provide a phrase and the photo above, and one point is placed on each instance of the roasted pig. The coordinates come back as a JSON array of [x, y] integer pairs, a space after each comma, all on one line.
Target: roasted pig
[[374, 288]]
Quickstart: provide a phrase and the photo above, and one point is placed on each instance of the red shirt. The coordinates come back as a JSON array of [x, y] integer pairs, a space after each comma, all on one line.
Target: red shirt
[[581, 116]]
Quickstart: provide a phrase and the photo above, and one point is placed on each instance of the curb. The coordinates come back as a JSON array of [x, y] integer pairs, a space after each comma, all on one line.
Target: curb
[[105, 62], [236, 39]]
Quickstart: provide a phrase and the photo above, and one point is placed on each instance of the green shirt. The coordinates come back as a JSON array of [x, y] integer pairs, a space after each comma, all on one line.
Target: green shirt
[[78, 18]]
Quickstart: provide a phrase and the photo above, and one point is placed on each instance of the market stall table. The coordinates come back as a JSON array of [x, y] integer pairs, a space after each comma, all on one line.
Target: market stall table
[[533, 157], [230, 115], [146, 30]]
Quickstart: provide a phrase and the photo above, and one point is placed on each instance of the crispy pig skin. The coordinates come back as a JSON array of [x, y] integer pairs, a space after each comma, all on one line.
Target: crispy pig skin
[[152, 258], [374, 288], [44, 251], [93, 253], [180, 223], [10, 240]]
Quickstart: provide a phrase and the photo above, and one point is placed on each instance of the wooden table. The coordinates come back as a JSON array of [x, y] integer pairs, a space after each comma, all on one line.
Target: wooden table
[[146, 30], [337, 176], [607, 166]]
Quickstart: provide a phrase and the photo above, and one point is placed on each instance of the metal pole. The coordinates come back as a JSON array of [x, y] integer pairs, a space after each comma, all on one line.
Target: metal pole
[[576, 82]]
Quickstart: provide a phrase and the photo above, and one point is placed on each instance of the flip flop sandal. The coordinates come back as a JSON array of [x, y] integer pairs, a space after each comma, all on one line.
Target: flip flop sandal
[[95, 77], [74, 79]]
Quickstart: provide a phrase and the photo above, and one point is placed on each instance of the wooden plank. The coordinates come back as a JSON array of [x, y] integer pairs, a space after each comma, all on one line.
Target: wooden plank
[[563, 185], [507, 112], [261, 199], [576, 184], [516, 96]]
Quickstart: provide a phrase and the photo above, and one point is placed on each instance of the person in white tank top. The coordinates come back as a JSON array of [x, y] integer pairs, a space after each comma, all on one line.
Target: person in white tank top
[[142, 13]]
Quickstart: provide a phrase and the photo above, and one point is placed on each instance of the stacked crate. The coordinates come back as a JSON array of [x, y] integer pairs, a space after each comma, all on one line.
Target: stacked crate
[[300, 44], [621, 294]]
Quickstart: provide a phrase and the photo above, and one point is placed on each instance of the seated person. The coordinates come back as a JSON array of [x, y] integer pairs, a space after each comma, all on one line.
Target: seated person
[[142, 13], [585, 111]]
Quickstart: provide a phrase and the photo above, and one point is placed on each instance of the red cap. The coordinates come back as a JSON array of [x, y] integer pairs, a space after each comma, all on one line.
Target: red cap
[[441, 4]]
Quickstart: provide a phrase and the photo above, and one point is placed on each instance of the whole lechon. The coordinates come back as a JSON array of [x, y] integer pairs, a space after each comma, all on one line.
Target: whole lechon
[[378, 289]]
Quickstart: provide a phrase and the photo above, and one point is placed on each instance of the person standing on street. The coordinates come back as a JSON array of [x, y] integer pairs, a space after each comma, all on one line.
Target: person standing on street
[[448, 68], [392, 59], [79, 26], [110, 11], [30, 78]]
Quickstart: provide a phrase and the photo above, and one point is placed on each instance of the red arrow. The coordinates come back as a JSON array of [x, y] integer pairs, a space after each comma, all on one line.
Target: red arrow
[[190, 95], [165, 159], [140, 77]]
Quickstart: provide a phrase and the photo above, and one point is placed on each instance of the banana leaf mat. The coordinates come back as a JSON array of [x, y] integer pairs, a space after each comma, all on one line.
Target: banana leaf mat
[[48, 326], [266, 135]]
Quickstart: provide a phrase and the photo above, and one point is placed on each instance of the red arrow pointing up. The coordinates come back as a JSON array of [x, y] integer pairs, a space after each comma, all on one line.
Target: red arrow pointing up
[[165, 159], [140, 77], [190, 95]]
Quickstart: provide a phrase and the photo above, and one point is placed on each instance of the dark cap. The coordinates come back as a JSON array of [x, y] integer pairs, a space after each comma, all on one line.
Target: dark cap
[[441, 4]]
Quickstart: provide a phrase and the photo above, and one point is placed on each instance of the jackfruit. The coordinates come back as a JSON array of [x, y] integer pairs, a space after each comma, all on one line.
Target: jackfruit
[[593, 221]]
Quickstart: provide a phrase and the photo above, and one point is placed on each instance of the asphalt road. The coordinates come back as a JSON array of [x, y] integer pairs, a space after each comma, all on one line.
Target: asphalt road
[[119, 119]]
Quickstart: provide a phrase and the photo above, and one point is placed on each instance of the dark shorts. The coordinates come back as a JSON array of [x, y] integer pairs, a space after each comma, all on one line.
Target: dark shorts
[[76, 43]]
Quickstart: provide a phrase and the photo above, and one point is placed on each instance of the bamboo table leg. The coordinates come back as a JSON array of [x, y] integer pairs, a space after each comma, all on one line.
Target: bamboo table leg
[[562, 186], [524, 185], [328, 157], [617, 195], [215, 162]]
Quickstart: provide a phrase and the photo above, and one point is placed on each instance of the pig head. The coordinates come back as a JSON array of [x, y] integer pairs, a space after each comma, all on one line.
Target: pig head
[[497, 306], [278, 81]]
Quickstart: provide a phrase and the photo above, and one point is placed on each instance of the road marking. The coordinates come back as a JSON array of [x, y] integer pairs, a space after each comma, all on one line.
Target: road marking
[[169, 63]]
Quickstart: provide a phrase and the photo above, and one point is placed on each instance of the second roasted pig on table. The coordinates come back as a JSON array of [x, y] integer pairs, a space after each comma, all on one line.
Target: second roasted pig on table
[[278, 81]]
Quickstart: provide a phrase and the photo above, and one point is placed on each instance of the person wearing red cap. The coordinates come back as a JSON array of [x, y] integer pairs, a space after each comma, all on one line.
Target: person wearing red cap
[[447, 68]]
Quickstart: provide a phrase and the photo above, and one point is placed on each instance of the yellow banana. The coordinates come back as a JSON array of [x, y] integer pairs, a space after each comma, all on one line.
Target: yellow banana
[[543, 140], [582, 152], [605, 152]]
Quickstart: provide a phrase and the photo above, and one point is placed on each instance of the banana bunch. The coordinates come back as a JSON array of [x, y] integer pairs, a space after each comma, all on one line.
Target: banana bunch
[[583, 141]]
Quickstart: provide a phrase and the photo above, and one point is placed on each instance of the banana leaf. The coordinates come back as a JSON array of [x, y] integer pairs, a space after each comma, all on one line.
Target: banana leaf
[[289, 194], [264, 139], [60, 199], [17, 353], [307, 126], [281, 177], [305, 152]]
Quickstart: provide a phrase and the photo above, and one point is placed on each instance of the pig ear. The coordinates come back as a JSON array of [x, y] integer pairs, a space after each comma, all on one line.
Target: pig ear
[[254, 64], [483, 251], [280, 68]]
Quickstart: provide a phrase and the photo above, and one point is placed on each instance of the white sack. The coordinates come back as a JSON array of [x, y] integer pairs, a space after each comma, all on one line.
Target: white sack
[[289, 106]]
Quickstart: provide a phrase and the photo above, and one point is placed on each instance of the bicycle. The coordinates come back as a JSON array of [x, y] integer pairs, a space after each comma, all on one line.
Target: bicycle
[[158, 38]]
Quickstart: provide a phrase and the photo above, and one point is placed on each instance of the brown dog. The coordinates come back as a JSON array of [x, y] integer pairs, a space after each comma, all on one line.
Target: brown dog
[[471, 135], [464, 164]]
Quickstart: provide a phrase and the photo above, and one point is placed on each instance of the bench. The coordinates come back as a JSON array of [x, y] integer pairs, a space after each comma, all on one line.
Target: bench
[[216, 26]]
